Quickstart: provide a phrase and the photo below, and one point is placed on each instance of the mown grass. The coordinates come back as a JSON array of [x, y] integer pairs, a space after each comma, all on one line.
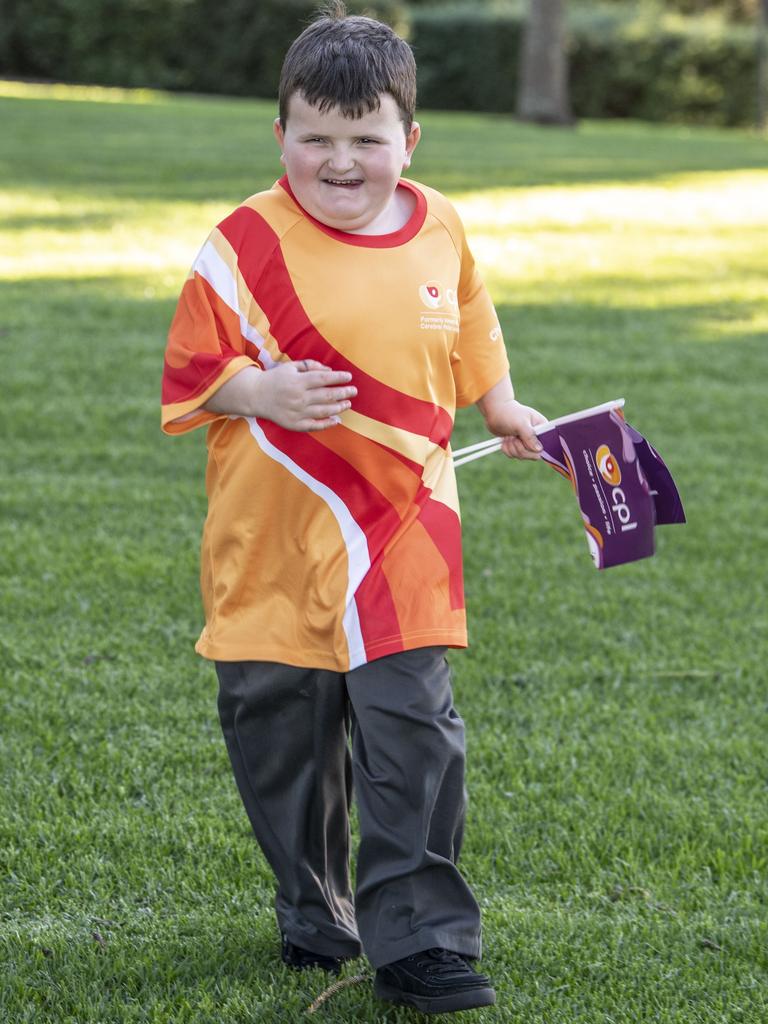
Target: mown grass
[[618, 836]]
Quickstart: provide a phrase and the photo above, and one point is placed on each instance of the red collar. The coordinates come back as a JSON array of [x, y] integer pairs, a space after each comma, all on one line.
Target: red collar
[[389, 241]]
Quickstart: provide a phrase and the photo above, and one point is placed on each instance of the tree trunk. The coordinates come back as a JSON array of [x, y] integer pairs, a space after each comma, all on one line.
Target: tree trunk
[[543, 88], [762, 65]]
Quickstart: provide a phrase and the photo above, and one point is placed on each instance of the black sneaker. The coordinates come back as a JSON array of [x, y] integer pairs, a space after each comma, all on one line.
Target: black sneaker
[[299, 959], [434, 981]]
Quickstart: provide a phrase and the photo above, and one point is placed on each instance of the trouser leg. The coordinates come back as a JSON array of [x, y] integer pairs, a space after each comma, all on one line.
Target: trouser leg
[[408, 766], [286, 733]]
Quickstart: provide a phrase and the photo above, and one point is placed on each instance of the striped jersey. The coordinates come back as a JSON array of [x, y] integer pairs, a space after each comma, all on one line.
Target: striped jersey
[[329, 549]]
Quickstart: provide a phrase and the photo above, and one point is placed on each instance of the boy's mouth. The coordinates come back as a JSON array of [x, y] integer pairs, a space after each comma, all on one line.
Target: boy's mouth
[[343, 182]]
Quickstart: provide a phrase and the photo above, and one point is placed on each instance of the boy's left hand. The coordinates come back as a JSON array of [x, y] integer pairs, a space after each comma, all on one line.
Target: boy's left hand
[[515, 423], [512, 421]]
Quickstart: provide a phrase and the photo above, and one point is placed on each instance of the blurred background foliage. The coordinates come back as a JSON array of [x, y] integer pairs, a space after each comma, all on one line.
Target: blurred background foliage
[[678, 60]]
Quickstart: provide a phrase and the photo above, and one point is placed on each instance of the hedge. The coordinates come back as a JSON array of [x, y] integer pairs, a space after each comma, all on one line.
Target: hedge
[[695, 71], [622, 63], [234, 47], [467, 57]]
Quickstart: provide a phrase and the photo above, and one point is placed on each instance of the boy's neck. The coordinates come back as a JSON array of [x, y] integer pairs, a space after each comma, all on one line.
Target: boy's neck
[[394, 217]]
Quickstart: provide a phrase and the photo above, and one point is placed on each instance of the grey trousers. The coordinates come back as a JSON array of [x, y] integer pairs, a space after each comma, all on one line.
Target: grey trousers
[[287, 732]]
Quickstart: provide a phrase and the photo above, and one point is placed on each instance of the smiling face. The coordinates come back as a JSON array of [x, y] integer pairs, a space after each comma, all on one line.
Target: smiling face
[[344, 171]]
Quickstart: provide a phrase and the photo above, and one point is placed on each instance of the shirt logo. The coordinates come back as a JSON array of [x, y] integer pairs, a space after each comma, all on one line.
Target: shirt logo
[[435, 297], [607, 465], [431, 295]]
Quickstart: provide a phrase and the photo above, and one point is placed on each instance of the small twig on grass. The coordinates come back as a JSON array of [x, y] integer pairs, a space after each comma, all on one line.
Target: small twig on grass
[[337, 987], [620, 892]]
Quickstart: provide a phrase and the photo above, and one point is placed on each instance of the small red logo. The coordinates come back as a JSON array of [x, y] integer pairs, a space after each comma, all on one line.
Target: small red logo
[[431, 295], [608, 466]]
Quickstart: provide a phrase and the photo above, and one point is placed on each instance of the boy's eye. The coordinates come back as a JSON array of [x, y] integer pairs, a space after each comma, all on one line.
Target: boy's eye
[[368, 141]]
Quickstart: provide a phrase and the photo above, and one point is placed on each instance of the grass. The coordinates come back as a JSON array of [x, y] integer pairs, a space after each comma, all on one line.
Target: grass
[[618, 835]]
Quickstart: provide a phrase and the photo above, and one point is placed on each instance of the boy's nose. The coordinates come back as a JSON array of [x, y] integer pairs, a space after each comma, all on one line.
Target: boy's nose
[[341, 160]]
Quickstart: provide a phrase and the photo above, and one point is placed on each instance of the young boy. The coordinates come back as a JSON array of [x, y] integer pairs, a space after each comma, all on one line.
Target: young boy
[[327, 331]]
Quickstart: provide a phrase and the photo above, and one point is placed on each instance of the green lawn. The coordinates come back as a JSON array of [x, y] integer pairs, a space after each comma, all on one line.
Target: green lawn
[[617, 721]]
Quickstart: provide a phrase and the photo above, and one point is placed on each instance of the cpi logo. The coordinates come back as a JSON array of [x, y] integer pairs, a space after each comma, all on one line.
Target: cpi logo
[[610, 472], [607, 465], [433, 296]]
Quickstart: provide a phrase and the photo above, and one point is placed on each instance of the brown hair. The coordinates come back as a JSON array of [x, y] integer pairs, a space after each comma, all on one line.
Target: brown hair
[[348, 61]]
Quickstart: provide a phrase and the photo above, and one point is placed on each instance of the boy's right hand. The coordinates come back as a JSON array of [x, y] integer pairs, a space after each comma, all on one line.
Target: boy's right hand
[[303, 395]]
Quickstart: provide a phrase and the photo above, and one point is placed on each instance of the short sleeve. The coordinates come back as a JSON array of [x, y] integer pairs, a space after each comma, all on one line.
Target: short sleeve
[[206, 345], [479, 358]]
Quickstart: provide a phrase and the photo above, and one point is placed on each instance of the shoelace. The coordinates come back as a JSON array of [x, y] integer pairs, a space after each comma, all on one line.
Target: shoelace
[[440, 962]]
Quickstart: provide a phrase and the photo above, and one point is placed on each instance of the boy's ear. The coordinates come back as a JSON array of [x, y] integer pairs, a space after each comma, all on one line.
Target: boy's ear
[[411, 142], [279, 134]]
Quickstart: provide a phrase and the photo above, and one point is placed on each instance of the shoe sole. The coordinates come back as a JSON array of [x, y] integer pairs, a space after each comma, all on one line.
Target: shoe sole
[[468, 1000]]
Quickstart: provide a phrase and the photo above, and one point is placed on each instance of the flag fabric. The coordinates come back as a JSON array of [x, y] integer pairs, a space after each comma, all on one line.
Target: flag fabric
[[622, 485]]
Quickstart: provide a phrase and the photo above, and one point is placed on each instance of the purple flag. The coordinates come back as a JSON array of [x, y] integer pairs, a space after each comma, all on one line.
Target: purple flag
[[622, 485]]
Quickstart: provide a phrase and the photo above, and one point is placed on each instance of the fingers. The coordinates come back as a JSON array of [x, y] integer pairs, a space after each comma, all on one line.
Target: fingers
[[327, 396], [318, 375], [315, 426], [321, 399], [306, 395], [323, 410], [515, 448], [325, 378], [532, 443], [305, 365], [523, 446], [320, 403]]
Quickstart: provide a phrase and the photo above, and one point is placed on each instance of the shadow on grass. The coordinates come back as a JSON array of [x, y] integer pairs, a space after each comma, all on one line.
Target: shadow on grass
[[100, 346], [193, 148]]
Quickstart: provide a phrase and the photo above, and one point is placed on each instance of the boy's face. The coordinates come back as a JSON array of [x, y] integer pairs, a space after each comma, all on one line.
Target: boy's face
[[344, 171]]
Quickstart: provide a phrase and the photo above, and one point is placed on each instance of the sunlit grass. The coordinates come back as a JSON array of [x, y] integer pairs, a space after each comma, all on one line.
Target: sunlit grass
[[79, 93], [72, 237], [690, 239]]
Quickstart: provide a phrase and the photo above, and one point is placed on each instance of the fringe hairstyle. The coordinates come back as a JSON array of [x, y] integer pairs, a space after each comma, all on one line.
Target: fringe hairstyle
[[348, 61]]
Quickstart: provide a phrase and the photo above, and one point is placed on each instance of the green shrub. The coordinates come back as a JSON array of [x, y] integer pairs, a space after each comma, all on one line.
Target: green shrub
[[624, 62], [110, 42], [467, 57], [662, 69], [219, 46]]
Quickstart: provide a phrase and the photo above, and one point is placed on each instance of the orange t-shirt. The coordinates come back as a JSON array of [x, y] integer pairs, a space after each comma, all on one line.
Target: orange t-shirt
[[330, 549]]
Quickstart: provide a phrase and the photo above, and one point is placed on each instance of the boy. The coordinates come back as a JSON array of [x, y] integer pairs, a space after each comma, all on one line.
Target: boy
[[326, 333]]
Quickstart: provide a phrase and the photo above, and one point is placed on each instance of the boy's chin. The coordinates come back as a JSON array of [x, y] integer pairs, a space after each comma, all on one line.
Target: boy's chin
[[344, 220]]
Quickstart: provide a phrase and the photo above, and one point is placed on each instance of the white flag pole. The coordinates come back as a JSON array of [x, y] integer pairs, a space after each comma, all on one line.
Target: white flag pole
[[493, 444]]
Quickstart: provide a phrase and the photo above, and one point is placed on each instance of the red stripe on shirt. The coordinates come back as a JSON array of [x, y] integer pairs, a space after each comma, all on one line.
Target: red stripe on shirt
[[264, 271], [370, 509], [203, 339], [440, 522], [444, 528]]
